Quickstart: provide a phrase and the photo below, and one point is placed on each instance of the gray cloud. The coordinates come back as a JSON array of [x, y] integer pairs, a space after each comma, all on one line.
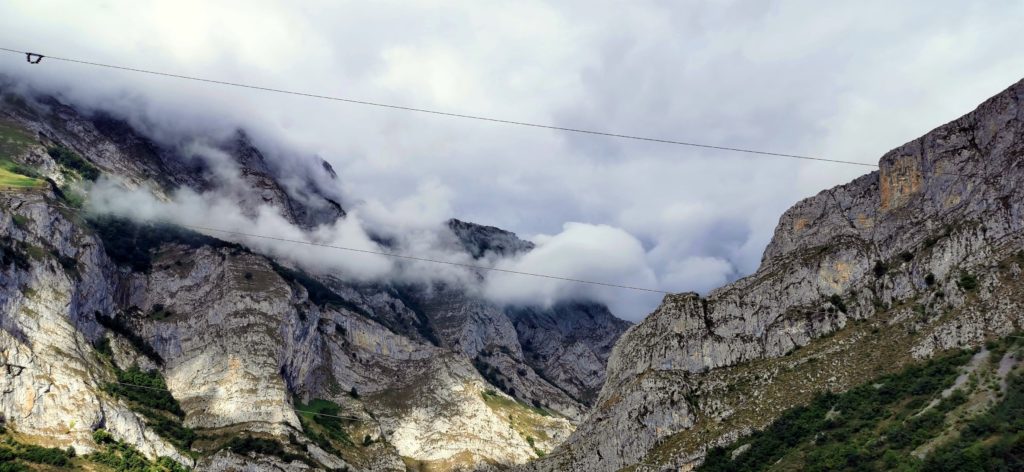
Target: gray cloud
[[846, 81]]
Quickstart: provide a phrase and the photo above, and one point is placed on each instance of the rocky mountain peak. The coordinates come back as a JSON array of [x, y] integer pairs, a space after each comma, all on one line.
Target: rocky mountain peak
[[478, 240]]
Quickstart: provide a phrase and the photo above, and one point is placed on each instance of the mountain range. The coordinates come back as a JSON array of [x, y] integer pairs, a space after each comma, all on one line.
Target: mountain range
[[128, 342]]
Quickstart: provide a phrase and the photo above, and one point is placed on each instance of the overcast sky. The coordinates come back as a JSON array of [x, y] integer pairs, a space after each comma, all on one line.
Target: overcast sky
[[846, 80]]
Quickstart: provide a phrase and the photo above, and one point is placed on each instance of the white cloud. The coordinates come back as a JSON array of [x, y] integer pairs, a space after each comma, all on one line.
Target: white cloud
[[580, 251], [219, 211]]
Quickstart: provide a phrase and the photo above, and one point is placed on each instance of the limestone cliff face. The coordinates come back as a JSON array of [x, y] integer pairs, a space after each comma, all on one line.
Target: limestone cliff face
[[569, 344], [50, 377], [421, 377], [920, 256]]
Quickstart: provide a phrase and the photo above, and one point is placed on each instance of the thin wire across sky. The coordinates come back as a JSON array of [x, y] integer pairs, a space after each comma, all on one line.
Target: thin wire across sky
[[37, 58]]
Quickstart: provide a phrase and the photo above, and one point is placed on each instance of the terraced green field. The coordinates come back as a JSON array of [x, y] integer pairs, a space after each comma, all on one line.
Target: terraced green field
[[9, 178], [14, 141]]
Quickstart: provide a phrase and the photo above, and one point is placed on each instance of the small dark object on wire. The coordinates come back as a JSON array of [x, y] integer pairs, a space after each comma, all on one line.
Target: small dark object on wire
[[33, 58]]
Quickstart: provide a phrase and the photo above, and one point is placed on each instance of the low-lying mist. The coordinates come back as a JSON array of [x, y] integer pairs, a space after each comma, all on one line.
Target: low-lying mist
[[415, 227]]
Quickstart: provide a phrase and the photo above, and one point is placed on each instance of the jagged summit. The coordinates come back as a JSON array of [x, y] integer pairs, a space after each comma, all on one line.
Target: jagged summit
[[478, 240]]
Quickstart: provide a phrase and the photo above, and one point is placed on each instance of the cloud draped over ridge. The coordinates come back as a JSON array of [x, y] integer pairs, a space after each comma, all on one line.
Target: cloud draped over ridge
[[846, 81], [580, 251]]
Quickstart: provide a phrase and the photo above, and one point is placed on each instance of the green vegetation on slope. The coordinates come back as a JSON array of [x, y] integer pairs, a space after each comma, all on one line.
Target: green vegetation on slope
[[890, 423], [122, 457], [268, 447], [132, 244], [115, 455], [71, 161], [992, 441], [14, 456], [321, 423], [146, 388], [16, 176], [146, 392], [530, 422]]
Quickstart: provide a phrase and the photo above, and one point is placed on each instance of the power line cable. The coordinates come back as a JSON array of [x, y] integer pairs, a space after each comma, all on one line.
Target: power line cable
[[34, 58]]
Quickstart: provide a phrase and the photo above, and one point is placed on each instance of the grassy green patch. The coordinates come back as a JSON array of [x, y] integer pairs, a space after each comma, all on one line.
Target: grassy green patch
[[492, 397], [13, 142], [17, 176]]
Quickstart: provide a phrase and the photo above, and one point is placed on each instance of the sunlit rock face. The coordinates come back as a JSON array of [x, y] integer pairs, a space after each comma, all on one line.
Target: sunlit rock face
[[921, 256], [416, 376]]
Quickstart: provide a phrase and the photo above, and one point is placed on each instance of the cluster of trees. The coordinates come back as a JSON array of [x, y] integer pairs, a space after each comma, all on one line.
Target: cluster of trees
[[967, 281], [146, 388], [268, 447], [871, 427], [14, 456], [115, 324], [131, 244], [992, 441], [148, 394], [71, 160], [492, 374]]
